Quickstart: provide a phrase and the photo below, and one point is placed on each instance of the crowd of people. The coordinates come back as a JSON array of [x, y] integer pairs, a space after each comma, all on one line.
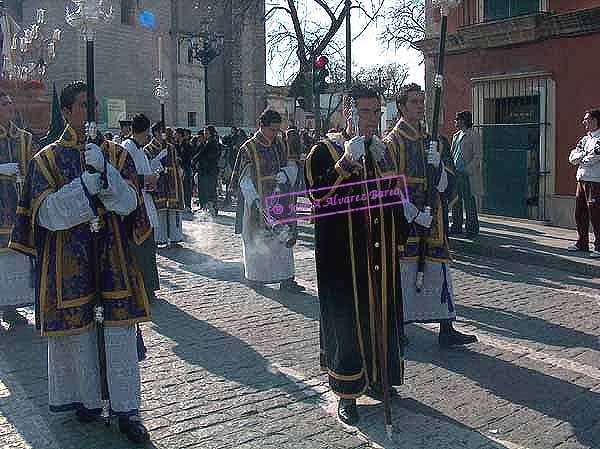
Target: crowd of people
[[206, 161], [82, 218]]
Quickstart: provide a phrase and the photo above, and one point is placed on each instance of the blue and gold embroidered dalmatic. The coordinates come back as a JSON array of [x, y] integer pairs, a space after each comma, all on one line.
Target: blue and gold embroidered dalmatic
[[263, 159], [66, 292], [409, 146], [266, 259], [170, 184], [15, 146]]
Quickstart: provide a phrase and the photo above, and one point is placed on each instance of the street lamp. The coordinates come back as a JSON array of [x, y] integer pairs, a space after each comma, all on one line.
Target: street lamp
[[205, 46], [87, 16], [34, 50]]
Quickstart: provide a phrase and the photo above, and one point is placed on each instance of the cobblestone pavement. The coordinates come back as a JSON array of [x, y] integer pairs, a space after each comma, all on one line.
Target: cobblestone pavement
[[232, 368]]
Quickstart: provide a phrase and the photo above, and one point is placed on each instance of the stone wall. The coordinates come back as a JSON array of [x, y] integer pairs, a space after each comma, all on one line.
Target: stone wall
[[127, 59]]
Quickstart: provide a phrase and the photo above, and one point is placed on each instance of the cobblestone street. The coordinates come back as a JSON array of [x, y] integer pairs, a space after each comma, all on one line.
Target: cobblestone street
[[229, 367]]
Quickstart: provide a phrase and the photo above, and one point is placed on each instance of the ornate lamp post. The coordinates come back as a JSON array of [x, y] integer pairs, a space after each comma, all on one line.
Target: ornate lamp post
[[86, 16], [161, 89], [33, 51], [205, 46]]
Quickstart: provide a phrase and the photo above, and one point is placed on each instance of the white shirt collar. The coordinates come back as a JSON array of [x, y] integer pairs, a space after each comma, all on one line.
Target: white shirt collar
[[595, 133]]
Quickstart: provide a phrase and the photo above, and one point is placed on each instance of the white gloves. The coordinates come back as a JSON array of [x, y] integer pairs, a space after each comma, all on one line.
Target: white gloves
[[281, 177], [377, 148], [355, 148], [433, 155], [576, 156], [163, 153], [92, 182], [411, 213], [10, 169], [94, 157], [424, 218], [156, 166], [438, 81]]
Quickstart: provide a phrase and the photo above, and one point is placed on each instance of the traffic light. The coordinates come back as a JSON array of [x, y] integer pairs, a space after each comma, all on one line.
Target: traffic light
[[320, 74]]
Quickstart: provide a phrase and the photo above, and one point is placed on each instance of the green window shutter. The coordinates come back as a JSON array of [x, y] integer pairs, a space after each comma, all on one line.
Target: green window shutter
[[496, 9], [521, 7], [502, 9]]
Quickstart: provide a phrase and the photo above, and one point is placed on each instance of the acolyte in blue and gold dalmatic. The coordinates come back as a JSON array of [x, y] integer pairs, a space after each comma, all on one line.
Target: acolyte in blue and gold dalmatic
[[170, 184], [409, 146], [65, 291], [15, 147]]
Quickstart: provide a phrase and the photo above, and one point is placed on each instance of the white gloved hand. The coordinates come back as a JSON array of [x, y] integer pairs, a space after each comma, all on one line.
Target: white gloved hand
[[377, 148], [94, 157], [9, 169], [92, 182], [355, 148], [424, 218], [438, 81], [281, 177], [163, 153], [433, 155], [410, 211], [156, 166]]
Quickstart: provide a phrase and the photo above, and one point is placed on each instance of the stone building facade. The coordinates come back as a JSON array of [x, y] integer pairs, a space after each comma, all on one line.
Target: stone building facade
[[127, 59]]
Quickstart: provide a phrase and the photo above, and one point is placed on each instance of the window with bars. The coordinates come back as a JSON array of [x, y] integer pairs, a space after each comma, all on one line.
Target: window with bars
[[503, 9]]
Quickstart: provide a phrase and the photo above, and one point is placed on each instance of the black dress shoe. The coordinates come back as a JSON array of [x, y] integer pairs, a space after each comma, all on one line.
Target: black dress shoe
[[134, 429], [455, 338], [375, 391], [85, 415], [13, 318], [291, 286], [347, 411]]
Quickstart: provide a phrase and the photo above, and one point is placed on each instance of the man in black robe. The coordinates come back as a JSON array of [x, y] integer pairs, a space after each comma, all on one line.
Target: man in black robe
[[349, 284]]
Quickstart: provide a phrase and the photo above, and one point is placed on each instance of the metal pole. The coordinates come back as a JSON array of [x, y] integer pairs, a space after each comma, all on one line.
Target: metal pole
[[95, 228], [168, 180], [430, 170], [348, 46], [206, 116]]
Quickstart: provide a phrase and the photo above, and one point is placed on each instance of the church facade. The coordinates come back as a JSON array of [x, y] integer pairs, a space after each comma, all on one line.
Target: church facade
[[126, 59]]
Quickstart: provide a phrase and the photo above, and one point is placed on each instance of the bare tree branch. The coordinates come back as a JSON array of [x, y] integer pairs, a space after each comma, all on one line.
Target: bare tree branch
[[405, 24], [388, 79]]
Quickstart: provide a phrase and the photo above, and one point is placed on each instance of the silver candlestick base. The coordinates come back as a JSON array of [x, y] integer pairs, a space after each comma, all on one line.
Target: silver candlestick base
[[95, 225], [99, 314]]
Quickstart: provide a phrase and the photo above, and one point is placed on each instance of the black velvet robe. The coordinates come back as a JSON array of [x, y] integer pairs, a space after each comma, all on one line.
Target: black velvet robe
[[348, 337]]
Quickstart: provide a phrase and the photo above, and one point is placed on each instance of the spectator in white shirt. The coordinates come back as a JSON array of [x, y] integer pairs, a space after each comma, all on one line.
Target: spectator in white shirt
[[587, 197]]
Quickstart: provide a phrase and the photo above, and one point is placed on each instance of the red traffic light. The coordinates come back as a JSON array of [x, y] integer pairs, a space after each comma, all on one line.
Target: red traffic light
[[322, 62]]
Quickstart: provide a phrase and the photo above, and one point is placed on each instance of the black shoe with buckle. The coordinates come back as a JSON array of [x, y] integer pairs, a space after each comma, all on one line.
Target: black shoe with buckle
[[347, 411], [134, 429]]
